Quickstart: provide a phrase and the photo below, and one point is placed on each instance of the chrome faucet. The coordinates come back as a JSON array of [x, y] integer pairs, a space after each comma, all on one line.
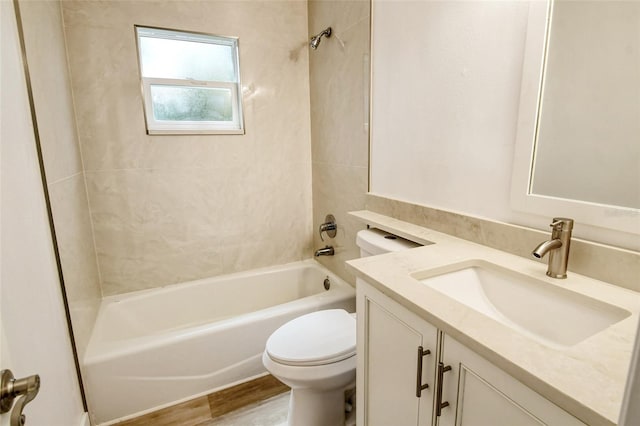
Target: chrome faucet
[[557, 247], [327, 251]]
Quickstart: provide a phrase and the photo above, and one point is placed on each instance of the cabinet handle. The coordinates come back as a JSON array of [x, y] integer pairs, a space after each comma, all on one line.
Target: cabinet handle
[[419, 386], [439, 404]]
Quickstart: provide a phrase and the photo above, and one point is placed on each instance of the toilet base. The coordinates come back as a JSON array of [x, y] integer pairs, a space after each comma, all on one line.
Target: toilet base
[[310, 407]]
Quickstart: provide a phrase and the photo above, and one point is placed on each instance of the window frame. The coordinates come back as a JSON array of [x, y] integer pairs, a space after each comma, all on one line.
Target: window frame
[[185, 127]]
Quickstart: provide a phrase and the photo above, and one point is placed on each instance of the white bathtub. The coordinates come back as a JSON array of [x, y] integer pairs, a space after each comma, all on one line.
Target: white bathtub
[[152, 348]]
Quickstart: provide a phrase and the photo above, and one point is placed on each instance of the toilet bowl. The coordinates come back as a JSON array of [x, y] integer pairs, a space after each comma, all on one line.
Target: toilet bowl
[[315, 354]]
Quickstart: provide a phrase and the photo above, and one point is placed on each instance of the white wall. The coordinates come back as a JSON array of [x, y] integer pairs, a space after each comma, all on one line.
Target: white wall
[[445, 91], [35, 338]]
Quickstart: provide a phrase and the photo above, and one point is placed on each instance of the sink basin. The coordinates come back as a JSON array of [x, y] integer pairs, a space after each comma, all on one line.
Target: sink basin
[[547, 313]]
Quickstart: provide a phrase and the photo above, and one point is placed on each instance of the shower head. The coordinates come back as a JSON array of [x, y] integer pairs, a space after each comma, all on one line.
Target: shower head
[[315, 40]]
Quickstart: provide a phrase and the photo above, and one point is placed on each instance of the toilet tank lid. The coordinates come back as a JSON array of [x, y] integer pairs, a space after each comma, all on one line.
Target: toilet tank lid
[[377, 241]]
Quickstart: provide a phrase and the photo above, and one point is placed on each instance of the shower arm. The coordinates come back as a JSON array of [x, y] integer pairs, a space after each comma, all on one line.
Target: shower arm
[[315, 40]]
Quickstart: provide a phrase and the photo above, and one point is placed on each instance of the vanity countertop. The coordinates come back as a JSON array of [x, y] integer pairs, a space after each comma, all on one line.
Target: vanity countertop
[[587, 379]]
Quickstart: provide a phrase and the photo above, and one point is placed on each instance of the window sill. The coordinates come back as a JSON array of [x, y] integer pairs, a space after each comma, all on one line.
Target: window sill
[[195, 132]]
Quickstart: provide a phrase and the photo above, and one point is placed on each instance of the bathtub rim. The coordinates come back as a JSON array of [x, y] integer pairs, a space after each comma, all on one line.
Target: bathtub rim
[[99, 351], [138, 294]]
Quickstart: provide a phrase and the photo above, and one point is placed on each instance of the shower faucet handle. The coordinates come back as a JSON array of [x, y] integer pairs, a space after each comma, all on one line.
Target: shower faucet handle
[[329, 226]]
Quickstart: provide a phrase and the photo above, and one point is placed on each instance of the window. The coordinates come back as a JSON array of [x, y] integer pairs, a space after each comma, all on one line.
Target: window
[[190, 82]]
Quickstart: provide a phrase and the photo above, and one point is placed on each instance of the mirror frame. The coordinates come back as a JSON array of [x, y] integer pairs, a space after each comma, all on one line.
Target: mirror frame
[[605, 216]]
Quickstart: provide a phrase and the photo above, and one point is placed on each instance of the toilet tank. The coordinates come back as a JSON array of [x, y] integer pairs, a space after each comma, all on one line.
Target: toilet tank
[[375, 241]]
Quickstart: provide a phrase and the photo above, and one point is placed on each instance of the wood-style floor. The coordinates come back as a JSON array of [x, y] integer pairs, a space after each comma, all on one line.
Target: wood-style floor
[[260, 402]]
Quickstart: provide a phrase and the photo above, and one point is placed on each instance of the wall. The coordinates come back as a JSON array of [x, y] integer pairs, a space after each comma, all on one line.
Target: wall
[[338, 72], [446, 88], [167, 209], [34, 334], [46, 56]]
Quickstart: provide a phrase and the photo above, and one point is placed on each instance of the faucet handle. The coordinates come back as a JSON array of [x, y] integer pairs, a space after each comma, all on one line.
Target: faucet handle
[[562, 224], [329, 226], [557, 225]]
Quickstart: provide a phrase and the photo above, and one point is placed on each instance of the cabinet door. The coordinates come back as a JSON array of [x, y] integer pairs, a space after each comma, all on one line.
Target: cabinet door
[[480, 394], [387, 378]]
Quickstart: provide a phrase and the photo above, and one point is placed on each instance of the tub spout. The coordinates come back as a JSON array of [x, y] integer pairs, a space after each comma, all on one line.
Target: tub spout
[[327, 251]]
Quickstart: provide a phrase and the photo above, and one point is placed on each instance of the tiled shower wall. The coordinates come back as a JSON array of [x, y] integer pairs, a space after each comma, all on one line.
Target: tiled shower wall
[[168, 209], [339, 80]]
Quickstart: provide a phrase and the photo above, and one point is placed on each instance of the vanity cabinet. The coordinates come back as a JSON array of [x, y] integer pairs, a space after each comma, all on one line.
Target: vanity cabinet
[[463, 387], [388, 341]]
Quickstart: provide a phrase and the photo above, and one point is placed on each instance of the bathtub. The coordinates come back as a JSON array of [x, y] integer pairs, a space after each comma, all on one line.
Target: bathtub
[[152, 348]]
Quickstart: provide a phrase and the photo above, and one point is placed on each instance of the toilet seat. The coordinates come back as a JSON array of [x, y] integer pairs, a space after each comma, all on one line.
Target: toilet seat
[[318, 338]]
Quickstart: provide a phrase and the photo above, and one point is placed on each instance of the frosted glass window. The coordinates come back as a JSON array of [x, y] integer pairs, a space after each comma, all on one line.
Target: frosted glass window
[[175, 103], [191, 82]]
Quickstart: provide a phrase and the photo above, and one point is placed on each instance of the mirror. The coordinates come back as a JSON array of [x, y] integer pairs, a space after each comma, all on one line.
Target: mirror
[[584, 148], [588, 135]]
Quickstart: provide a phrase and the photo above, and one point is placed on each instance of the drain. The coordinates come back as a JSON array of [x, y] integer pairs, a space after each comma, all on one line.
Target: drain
[[327, 283]]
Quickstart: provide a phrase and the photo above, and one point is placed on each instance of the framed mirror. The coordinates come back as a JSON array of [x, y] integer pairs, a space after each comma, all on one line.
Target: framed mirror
[[578, 144]]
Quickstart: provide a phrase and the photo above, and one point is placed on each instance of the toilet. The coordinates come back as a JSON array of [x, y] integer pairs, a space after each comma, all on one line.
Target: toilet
[[315, 354]]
